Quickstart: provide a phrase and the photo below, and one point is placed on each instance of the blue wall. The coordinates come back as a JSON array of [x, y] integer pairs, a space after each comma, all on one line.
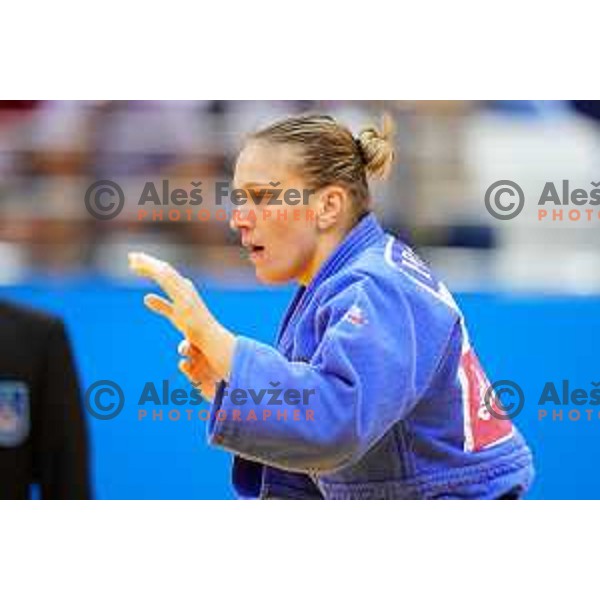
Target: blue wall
[[526, 339]]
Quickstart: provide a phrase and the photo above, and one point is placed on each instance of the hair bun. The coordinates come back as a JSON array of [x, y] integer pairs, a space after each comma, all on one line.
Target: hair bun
[[377, 148]]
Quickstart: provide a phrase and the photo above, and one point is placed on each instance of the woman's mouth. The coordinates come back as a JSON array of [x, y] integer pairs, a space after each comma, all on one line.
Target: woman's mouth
[[256, 251]]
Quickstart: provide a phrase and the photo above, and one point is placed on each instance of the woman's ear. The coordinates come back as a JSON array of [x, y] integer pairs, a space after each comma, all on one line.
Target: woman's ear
[[331, 205]]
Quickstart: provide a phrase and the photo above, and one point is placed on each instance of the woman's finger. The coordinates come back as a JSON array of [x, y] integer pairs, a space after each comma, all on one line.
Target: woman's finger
[[184, 348], [159, 305], [187, 368], [145, 265], [160, 272]]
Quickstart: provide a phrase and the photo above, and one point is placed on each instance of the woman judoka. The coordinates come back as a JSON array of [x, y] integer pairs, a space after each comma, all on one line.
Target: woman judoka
[[401, 407]]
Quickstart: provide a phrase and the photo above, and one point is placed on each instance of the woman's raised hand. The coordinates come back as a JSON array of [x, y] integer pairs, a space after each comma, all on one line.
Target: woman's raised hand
[[185, 309]]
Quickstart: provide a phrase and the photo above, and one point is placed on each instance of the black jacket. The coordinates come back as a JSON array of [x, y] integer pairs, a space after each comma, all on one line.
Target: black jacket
[[42, 431]]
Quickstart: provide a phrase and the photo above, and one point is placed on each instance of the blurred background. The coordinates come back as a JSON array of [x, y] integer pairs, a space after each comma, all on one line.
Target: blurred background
[[530, 290]]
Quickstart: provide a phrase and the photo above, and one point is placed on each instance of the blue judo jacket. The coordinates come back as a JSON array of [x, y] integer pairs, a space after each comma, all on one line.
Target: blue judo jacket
[[372, 392]]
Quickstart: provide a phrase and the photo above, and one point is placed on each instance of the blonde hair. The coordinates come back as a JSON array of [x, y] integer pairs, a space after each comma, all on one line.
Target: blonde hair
[[329, 153]]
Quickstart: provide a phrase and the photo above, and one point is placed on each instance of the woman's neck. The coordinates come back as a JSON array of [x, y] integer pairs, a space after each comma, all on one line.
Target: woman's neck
[[325, 247]]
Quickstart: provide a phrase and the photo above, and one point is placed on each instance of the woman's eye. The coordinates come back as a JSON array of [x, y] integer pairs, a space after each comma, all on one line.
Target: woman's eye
[[261, 196]]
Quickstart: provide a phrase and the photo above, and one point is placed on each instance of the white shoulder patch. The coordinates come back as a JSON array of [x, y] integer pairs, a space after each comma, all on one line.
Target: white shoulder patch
[[15, 419]]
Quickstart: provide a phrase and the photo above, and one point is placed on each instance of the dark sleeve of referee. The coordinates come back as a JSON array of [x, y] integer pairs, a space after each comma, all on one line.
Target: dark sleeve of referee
[[61, 455]]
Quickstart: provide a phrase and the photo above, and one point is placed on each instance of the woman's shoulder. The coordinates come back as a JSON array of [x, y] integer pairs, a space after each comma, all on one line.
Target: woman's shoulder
[[393, 269], [391, 261]]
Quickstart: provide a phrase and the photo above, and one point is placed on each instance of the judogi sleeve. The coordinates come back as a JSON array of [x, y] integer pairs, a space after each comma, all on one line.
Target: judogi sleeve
[[363, 374]]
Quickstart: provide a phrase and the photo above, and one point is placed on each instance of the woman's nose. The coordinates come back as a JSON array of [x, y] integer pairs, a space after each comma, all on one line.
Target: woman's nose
[[242, 216]]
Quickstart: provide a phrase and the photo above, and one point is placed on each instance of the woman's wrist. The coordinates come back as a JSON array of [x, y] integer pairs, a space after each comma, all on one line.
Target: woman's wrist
[[218, 345]]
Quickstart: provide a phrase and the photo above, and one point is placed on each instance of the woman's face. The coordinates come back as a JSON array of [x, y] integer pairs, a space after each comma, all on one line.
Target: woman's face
[[281, 238]]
